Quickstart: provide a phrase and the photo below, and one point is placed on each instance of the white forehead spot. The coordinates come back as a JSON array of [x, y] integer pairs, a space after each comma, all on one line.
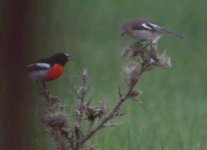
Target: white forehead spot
[[146, 26]]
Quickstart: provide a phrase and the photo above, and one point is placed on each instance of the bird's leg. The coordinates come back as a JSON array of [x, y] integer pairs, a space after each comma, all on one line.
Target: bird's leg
[[45, 88], [39, 85], [44, 91], [42, 85], [153, 51]]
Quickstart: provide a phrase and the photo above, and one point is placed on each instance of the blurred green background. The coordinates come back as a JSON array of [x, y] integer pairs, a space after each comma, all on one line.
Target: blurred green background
[[173, 114]]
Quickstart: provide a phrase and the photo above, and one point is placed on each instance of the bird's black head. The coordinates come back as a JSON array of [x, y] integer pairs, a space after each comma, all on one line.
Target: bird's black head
[[60, 58]]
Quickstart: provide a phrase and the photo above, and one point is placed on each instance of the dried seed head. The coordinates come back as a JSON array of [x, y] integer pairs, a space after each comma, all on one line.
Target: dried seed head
[[164, 61], [85, 75], [90, 113], [93, 113], [134, 50], [151, 61], [134, 94], [130, 67], [55, 120], [128, 53], [102, 109], [133, 73], [53, 99], [84, 86]]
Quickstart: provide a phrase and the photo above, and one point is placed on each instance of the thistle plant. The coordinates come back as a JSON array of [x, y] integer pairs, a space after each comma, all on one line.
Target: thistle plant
[[90, 119]]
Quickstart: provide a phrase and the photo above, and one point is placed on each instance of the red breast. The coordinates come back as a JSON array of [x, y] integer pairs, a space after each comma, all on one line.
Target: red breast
[[54, 72]]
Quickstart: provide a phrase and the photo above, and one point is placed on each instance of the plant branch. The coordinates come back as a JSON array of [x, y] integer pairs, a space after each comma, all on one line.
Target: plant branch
[[110, 115], [74, 136], [55, 118]]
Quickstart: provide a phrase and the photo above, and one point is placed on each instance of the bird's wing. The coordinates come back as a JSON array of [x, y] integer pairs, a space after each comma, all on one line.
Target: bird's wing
[[147, 26], [37, 67], [141, 24]]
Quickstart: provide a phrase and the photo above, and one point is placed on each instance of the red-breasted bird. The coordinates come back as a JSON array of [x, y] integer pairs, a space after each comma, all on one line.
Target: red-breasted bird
[[48, 69], [143, 29]]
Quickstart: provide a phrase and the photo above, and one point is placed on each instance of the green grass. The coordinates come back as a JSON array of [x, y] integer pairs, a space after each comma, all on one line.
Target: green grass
[[173, 114]]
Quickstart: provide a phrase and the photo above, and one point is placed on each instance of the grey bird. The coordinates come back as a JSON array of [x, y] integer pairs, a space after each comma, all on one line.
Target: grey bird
[[143, 29]]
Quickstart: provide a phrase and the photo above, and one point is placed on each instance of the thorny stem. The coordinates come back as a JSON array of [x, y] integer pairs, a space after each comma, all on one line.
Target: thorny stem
[[80, 116], [122, 98], [59, 139], [111, 114], [81, 96], [90, 126], [57, 133], [45, 92]]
